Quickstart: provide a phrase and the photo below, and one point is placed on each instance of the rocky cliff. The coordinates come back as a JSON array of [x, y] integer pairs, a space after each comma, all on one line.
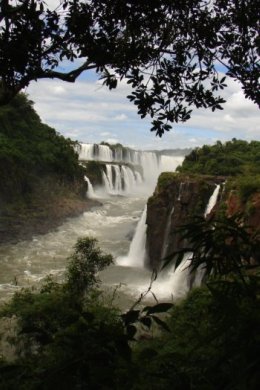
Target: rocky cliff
[[177, 198]]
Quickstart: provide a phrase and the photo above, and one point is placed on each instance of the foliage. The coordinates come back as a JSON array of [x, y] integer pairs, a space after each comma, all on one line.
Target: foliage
[[222, 248], [169, 52], [231, 158], [30, 150], [165, 179], [213, 343], [246, 186], [86, 261], [66, 337]]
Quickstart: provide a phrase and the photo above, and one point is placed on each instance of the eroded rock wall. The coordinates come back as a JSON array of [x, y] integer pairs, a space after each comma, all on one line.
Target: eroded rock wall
[[177, 198]]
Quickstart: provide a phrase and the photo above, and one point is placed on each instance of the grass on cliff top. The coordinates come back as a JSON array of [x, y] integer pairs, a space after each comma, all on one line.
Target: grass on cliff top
[[165, 179], [245, 186]]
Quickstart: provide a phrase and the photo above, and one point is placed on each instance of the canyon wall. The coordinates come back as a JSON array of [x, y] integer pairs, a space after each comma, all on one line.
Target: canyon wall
[[177, 198]]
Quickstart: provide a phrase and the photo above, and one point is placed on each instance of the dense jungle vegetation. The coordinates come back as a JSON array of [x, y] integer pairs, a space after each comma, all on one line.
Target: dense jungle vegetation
[[41, 180], [231, 158], [31, 151]]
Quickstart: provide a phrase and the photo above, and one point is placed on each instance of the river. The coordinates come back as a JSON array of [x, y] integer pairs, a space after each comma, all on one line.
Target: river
[[113, 224]]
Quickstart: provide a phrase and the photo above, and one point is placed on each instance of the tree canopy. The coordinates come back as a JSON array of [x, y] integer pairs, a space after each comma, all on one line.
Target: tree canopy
[[174, 54]]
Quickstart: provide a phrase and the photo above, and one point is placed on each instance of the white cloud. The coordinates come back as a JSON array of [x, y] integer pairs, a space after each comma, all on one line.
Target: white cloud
[[90, 112], [106, 134], [120, 117], [112, 140]]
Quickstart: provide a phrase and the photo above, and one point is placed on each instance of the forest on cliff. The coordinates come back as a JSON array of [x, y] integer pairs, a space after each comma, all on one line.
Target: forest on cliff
[[38, 170], [31, 150]]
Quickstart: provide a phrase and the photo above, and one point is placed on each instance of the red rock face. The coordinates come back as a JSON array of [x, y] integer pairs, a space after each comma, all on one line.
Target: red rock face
[[250, 209]]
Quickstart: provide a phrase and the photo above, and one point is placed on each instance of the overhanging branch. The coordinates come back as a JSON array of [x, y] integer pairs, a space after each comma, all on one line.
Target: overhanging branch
[[69, 77], [7, 93]]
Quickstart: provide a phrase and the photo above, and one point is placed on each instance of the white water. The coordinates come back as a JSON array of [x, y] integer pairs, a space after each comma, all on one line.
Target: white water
[[212, 200], [176, 281], [119, 178], [90, 193], [137, 253]]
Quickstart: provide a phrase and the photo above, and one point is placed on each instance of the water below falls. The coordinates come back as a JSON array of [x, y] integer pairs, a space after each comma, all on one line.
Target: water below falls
[[113, 224]]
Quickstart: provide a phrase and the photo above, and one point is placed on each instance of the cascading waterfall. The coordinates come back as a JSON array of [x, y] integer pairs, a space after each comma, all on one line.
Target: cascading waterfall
[[90, 191], [176, 280], [120, 179], [130, 180], [180, 191], [169, 163], [95, 152], [200, 272], [86, 152], [212, 200], [104, 153], [108, 179], [137, 253]]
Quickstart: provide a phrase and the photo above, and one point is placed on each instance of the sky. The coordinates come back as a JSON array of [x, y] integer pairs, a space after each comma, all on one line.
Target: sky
[[88, 112]]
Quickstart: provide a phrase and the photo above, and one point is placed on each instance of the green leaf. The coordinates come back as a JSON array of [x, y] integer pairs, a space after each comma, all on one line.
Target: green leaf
[[146, 321], [159, 308], [130, 316]]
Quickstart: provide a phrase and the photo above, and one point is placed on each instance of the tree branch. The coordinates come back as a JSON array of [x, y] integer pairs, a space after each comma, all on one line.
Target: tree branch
[[69, 77]]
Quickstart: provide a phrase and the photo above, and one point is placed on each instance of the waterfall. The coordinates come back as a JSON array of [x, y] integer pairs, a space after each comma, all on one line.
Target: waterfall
[[108, 179], [151, 169], [129, 179], [104, 153], [90, 191], [212, 200], [180, 191], [118, 180], [169, 163], [138, 177], [176, 281], [121, 179], [200, 271], [137, 253], [86, 152]]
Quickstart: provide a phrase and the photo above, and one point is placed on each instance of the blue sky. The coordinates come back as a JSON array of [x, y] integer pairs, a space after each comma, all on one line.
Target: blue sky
[[88, 112]]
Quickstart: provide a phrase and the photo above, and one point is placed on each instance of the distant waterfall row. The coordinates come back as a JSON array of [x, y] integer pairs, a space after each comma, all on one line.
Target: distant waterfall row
[[120, 179], [126, 171], [105, 153]]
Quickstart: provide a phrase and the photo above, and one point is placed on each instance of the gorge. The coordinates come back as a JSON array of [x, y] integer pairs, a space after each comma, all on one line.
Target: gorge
[[128, 177]]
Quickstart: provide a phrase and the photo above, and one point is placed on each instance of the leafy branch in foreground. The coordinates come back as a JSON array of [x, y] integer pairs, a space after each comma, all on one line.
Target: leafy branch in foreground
[[169, 52], [221, 247]]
